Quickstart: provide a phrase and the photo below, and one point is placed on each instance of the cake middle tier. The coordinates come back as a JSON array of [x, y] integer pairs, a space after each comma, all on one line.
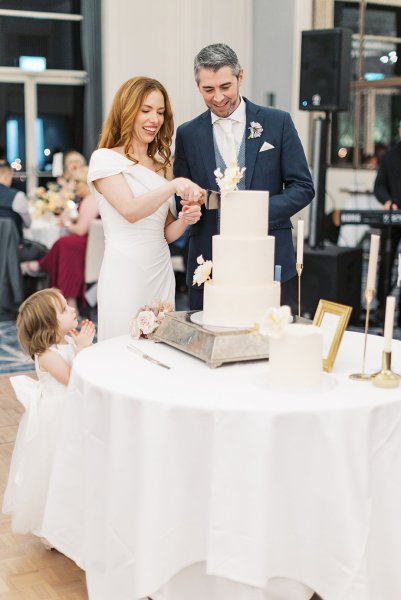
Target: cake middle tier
[[248, 261]]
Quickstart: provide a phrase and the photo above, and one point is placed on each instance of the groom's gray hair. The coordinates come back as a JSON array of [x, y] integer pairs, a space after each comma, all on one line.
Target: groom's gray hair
[[214, 57]]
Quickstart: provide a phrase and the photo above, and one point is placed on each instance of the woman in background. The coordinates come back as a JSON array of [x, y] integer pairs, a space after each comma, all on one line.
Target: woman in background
[[65, 261], [72, 160]]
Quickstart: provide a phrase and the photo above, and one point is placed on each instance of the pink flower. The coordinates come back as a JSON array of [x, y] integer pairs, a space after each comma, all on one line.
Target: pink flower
[[146, 321], [148, 318], [40, 192]]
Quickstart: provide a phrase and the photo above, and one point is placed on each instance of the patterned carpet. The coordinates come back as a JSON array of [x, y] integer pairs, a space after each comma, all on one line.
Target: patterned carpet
[[12, 359]]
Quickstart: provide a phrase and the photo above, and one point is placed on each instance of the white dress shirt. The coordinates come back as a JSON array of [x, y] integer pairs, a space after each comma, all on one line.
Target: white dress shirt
[[239, 122]]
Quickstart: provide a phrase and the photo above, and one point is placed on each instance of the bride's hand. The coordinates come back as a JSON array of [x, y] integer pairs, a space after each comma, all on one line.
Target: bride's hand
[[190, 214], [189, 191]]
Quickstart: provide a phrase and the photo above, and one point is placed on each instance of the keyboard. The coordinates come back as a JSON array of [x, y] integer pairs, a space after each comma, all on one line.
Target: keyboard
[[378, 218]]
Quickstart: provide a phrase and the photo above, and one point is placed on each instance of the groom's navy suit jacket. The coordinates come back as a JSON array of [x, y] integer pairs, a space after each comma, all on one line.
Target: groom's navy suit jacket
[[281, 170]]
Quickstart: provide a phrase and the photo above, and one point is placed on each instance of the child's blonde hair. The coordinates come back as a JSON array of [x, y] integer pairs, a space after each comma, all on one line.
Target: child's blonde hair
[[37, 323]]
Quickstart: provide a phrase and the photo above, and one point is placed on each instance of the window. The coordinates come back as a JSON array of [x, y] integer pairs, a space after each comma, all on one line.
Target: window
[[57, 6], [42, 101], [377, 112], [58, 41]]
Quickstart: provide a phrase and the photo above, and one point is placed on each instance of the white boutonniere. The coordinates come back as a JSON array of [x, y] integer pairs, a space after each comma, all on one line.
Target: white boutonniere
[[202, 273], [255, 130]]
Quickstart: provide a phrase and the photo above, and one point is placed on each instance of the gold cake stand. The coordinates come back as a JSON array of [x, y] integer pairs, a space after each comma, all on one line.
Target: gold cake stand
[[213, 345]]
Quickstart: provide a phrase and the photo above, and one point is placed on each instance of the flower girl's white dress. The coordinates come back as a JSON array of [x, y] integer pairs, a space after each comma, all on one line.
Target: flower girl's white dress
[[32, 459]]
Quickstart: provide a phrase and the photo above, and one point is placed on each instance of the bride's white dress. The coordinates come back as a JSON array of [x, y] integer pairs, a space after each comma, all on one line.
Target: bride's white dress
[[136, 268]]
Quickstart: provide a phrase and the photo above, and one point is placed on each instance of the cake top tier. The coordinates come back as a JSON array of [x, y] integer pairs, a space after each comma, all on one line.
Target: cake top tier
[[244, 213]]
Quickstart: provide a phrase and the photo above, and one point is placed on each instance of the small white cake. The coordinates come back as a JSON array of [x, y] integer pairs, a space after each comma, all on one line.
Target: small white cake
[[296, 357], [242, 286]]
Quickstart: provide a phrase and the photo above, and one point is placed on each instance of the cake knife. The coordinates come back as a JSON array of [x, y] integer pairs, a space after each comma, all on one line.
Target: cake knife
[[147, 356], [212, 200]]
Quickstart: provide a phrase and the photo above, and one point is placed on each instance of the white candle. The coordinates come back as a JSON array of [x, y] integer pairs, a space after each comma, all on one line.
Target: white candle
[[300, 242], [373, 257], [389, 323]]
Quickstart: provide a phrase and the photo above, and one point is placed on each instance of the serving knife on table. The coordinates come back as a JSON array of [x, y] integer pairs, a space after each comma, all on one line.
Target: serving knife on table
[[147, 356]]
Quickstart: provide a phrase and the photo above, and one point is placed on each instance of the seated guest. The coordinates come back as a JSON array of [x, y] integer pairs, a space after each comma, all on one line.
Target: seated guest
[[65, 261], [14, 206], [73, 160]]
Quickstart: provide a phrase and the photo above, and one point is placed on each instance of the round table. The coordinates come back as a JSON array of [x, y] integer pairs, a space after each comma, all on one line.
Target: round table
[[162, 471], [46, 231]]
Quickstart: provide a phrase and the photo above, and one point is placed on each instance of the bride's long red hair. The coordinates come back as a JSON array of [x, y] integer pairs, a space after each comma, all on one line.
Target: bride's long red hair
[[118, 127]]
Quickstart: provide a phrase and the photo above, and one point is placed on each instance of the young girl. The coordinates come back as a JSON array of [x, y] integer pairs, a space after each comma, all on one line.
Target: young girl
[[44, 320]]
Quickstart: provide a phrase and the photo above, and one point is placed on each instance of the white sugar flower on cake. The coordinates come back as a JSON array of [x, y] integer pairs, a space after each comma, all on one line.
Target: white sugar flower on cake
[[231, 178], [202, 272], [274, 321]]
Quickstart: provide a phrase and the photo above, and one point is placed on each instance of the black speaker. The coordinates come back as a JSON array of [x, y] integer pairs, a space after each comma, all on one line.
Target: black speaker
[[331, 273], [325, 69]]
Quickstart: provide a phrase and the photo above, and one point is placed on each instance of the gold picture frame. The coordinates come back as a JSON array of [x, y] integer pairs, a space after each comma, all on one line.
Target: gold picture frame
[[333, 318]]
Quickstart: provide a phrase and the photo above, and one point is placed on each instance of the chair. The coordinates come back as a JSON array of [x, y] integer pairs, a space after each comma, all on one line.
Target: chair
[[11, 286], [94, 252]]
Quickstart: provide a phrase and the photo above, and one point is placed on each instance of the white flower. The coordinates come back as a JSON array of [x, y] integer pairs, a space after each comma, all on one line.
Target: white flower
[[232, 176], [255, 130], [146, 321], [274, 320], [202, 273]]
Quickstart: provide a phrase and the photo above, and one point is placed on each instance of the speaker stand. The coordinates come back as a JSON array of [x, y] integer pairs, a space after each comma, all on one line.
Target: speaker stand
[[319, 168]]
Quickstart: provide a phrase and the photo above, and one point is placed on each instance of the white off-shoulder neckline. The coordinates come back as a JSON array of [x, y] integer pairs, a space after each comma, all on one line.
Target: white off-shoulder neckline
[[134, 164]]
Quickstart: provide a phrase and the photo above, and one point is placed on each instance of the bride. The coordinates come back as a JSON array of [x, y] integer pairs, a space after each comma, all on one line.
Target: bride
[[131, 177]]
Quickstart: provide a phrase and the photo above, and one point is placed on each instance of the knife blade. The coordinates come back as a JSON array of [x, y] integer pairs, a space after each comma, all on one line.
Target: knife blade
[[147, 356], [212, 200]]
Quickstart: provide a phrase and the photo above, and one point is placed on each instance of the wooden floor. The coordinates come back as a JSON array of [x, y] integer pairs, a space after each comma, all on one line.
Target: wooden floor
[[27, 570]]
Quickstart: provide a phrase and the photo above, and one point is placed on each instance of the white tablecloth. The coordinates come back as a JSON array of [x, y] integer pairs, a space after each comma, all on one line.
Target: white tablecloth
[[158, 470], [45, 231]]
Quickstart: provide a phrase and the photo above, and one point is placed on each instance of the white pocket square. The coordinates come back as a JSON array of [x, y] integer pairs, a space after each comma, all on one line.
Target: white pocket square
[[266, 146]]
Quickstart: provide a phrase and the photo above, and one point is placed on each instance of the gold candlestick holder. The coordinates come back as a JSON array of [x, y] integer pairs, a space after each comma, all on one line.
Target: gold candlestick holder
[[386, 378], [299, 267], [369, 295]]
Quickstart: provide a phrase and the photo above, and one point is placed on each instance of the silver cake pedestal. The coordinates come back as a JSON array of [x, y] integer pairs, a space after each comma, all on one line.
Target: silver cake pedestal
[[214, 345]]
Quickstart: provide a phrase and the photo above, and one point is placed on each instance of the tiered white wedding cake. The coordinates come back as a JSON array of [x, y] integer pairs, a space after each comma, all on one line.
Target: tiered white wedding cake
[[243, 285]]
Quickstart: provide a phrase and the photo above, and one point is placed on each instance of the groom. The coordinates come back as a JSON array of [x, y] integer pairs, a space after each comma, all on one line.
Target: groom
[[263, 140]]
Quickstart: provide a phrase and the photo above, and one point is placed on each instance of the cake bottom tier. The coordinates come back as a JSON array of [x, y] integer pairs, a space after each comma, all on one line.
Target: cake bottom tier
[[237, 305]]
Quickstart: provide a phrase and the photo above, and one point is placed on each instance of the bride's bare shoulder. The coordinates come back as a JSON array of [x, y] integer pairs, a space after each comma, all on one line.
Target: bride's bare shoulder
[[119, 150]]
